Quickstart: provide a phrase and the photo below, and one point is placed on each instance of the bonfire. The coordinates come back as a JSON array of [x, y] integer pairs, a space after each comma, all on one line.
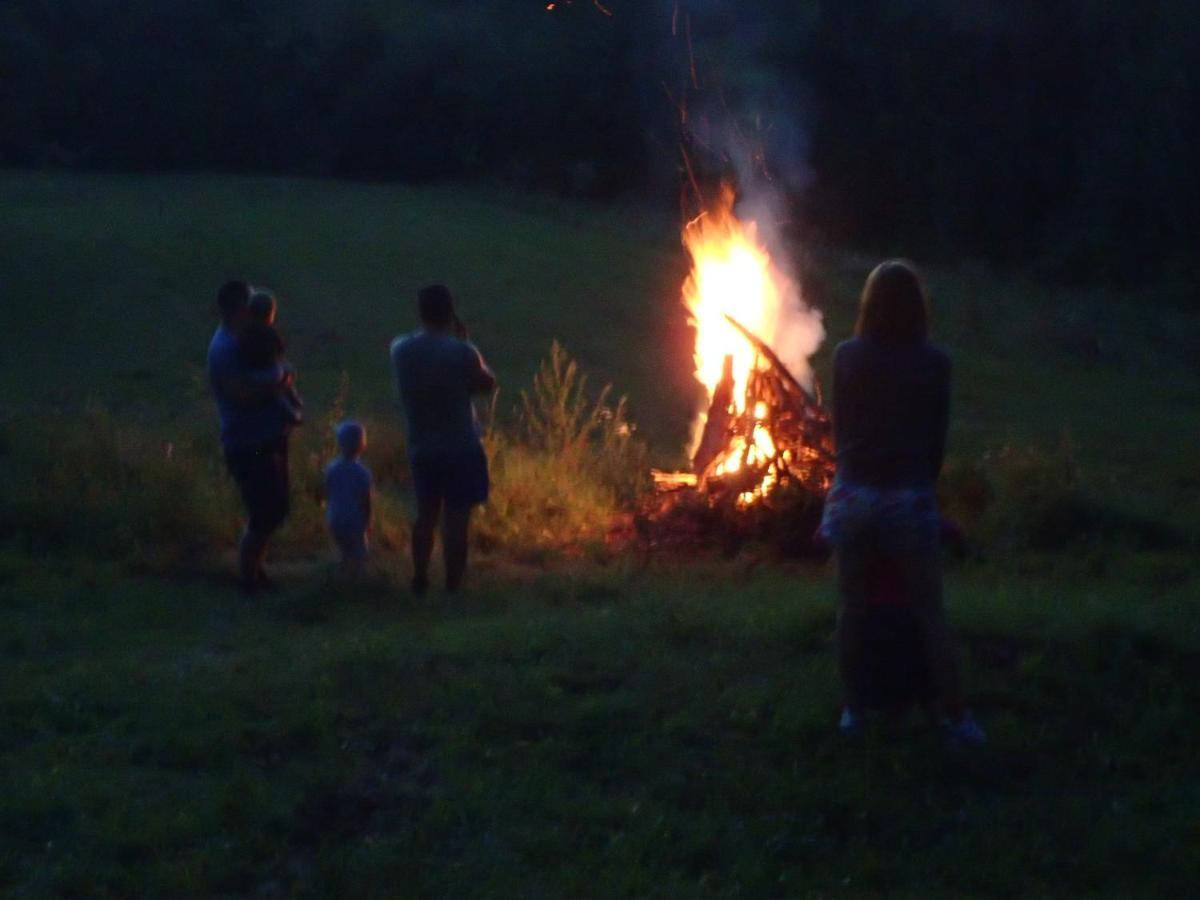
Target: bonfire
[[763, 433]]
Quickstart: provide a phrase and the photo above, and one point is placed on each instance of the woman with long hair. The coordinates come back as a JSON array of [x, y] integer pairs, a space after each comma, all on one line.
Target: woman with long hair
[[891, 404]]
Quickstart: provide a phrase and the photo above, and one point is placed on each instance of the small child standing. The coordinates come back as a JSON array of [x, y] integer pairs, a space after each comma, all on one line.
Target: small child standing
[[348, 497], [262, 347]]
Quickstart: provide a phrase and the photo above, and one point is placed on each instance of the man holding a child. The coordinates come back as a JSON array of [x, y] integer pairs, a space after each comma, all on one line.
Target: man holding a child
[[258, 406]]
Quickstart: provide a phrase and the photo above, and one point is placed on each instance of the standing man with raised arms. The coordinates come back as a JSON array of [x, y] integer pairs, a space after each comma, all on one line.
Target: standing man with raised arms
[[438, 372]]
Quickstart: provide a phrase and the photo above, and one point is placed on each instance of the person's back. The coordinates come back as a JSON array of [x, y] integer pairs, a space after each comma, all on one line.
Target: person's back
[[348, 494], [891, 399], [436, 374], [891, 406]]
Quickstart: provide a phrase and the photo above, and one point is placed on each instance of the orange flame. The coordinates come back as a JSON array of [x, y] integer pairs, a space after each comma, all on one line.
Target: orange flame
[[733, 276]]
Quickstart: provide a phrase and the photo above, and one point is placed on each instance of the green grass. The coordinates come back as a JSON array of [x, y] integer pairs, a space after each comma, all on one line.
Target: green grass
[[595, 724], [621, 733], [109, 286]]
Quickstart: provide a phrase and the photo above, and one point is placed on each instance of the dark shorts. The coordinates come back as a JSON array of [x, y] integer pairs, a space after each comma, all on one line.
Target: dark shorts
[[261, 473], [457, 479]]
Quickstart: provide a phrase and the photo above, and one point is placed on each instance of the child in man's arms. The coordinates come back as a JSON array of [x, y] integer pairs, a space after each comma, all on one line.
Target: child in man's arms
[[261, 347]]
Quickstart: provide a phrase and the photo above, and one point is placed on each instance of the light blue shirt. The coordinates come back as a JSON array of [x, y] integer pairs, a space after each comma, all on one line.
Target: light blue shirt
[[436, 375], [241, 425], [347, 495]]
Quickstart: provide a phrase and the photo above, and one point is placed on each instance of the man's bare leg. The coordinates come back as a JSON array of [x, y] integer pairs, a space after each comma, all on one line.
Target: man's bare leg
[[252, 551], [422, 542], [455, 528]]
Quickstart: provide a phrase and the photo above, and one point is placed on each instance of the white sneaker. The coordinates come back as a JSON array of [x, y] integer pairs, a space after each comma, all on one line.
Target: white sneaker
[[851, 723], [965, 732]]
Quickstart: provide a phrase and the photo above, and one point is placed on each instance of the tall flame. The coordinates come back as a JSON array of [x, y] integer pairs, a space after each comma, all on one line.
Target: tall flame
[[733, 275]]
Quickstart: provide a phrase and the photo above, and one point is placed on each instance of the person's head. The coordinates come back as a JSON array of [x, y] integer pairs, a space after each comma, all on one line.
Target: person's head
[[436, 307], [263, 308], [894, 306], [351, 438], [233, 298]]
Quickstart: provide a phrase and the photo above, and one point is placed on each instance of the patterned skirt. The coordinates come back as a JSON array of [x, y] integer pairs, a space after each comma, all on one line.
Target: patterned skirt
[[886, 520]]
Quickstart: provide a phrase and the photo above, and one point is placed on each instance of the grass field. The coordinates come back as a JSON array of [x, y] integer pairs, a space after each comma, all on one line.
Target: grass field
[[595, 725]]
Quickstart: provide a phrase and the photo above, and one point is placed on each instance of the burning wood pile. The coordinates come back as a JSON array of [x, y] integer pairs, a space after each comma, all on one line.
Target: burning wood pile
[[776, 436], [763, 457]]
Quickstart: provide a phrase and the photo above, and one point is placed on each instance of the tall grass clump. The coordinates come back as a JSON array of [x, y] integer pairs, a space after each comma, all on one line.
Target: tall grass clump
[[571, 464], [88, 484], [93, 486], [1038, 499]]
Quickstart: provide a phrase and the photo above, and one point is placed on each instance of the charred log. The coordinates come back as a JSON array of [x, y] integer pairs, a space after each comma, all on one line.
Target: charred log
[[760, 346], [716, 424]]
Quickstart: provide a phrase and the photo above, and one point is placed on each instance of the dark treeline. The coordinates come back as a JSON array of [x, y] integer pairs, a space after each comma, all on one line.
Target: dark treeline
[[1060, 134]]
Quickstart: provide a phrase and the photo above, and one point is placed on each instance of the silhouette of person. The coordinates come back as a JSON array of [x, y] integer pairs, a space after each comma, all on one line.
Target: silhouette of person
[[438, 372], [254, 435], [891, 404]]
